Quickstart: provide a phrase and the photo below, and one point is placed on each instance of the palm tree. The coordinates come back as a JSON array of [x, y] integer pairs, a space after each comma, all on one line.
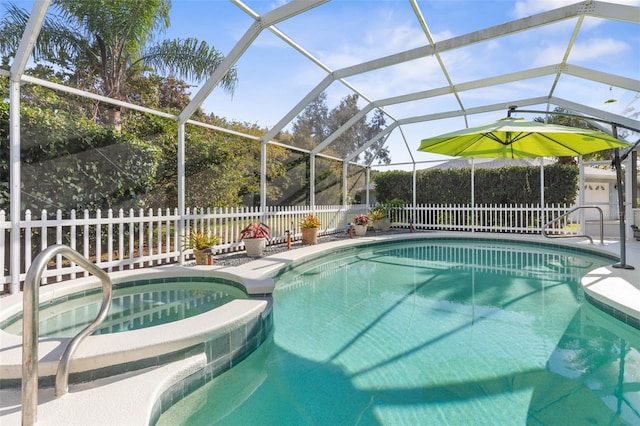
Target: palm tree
[[103, 44]]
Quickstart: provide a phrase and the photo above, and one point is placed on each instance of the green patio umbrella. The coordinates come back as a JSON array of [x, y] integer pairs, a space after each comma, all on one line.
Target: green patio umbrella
[[516, 138]]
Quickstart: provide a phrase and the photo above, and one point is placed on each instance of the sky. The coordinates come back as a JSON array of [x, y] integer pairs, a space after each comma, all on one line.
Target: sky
[[274, 77]]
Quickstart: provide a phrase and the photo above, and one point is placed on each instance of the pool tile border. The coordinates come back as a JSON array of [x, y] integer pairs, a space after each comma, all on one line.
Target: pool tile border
[[223, 352], [400, 240], [616, 313]]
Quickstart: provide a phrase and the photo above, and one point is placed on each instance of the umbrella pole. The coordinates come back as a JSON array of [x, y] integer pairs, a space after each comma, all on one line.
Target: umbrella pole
[[623, 240]]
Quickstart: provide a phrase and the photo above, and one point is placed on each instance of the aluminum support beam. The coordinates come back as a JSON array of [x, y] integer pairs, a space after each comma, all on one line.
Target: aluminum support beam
[[617, 12], [602, 77], [377, 137], [94, 96], [406, 144], [432, 42], [353, 120], [415, 184], [565, 57], [29, 37], [470, 111], [596, 9], [312, 180], [314, 93], [345, 183], [490, 33], [603, 115], [263, 178], [182, 204], [367, 180]]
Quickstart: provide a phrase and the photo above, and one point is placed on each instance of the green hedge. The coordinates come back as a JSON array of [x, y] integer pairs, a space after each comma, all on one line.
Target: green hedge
[[505, 185], [70, 163]]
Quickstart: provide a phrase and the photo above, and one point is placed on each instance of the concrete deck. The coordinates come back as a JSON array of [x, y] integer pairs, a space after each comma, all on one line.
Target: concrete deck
[[128, 399]]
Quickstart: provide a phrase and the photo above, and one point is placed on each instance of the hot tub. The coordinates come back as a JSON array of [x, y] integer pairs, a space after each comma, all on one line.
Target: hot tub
[[135, 305], [158, 315]]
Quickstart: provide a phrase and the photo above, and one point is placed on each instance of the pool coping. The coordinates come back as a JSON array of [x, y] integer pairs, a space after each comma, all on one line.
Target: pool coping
[[618, 289]]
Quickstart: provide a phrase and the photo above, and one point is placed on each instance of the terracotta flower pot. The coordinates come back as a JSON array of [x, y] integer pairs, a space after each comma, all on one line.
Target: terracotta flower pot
[[201, 257], [309, 235]]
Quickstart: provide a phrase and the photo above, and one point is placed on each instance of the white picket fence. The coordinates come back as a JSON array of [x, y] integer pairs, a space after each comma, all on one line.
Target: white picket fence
[[523, 219], [136, 239]]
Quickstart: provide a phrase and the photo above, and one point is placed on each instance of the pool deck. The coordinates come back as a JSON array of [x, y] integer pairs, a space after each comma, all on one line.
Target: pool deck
[[128, 399]]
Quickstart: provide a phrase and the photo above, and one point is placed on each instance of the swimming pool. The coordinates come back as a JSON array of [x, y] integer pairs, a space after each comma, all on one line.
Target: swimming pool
[[135, 305], [435, 331]]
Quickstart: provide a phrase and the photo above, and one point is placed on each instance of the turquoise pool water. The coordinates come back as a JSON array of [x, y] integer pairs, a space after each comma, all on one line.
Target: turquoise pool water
[[432, 332], [135, 305]]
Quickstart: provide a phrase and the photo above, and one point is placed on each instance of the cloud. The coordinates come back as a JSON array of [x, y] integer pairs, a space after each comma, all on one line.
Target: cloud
[[593, 49], [276, 4], [373, 44], [597, 48]]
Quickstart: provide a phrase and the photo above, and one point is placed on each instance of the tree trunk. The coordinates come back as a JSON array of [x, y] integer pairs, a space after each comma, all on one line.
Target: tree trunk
[[115, 118]]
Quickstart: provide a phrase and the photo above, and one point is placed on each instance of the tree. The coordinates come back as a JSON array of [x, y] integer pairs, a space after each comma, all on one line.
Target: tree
[[310, 128], [314, 124], [105, 45], [359, 134]]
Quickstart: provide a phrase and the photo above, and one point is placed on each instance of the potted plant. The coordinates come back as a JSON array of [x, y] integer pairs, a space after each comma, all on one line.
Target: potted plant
[[255, 237], [310, 224], [360, 224], [199, 242], [380, 218], [636, 232]]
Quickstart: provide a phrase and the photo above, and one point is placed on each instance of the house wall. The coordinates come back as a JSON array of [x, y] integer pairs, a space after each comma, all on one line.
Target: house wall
[[598, 193]]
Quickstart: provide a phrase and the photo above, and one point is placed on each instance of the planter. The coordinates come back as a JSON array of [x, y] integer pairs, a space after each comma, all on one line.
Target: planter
[[382, 224], [636, 234], [309, 235], [201, 257], [361, 230], [254, 246]]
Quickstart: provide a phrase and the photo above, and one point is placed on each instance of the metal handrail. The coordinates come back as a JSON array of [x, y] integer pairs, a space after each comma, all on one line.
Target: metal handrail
[[544, 232], [30, 327]]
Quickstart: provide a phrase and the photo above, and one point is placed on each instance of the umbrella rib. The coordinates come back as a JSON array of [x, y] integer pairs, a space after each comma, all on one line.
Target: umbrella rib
[[561, 144], [523, 135], [494, 137], [517, 137], [463, 148]]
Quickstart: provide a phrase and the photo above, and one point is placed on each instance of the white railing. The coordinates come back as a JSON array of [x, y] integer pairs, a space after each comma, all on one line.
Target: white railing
[[143, 238]]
